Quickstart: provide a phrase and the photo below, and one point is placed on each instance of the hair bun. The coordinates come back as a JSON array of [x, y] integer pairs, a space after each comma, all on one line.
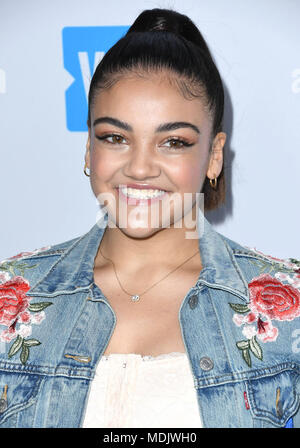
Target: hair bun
[[171, 21], [157, 20]]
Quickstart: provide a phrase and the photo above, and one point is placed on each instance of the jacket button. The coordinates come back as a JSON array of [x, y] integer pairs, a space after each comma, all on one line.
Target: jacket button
[[193, 301], [206, 363]]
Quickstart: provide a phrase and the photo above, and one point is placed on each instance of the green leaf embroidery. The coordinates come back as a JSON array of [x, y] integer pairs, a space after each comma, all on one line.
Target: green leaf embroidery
[[3, 267], [255, 348], [293, 260], [31, 342], [14, 265], [20, 343], [239, 308], [22, 266], [30, 267], [24, 354], [250, 344], [35, 307], [11, 269], [246, 357], [260, 264], [24, 344], [15, 346], [243, 345], [274, 265]]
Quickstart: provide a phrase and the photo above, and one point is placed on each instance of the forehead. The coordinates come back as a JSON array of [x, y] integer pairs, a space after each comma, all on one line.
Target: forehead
[[151, 95]]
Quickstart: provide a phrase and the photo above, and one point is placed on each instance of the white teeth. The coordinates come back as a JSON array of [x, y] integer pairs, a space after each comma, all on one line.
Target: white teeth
[[142, 194]]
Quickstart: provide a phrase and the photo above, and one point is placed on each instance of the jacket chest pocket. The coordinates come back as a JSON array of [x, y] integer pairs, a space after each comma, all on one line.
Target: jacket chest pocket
[[18, 393], [274, 399]]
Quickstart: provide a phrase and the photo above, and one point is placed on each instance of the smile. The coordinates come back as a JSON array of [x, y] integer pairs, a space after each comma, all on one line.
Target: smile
[[137, 196], [141, 193]]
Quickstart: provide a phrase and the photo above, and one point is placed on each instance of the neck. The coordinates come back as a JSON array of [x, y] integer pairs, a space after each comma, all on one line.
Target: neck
[[166, 247]]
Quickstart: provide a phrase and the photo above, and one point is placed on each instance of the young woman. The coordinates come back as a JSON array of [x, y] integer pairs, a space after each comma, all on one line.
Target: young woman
[[152, 318]]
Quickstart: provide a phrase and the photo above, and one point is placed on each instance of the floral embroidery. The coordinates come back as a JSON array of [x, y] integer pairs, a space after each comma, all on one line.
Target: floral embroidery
[[26, 254], [4, 276], [290, 266], [17, 312], [270, 300]]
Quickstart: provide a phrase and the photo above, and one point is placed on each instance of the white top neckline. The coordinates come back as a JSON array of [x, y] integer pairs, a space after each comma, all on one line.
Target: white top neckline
[[130, 390], [121, 356]]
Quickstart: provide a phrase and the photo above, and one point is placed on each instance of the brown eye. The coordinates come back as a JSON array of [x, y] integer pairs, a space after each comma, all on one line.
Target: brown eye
[[177, 143], [116, 139]]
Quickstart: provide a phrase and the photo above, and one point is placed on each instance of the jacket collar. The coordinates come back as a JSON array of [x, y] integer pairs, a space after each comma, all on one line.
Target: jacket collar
[[74, 268]]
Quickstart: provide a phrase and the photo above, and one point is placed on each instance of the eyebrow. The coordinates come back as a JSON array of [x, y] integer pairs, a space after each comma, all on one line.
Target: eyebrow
[[161, 128]]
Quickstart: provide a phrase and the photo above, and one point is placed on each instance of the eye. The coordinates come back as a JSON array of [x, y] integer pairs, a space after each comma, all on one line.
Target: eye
[[178, 143], [116, 138]]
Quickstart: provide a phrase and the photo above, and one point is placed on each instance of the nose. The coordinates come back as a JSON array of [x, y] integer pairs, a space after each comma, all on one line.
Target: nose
[[142, 163]]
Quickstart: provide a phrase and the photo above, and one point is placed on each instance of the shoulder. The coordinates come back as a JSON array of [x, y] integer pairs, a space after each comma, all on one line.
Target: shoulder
[[42, 251], [273, 286], [240, 250], [256, 264], [27, 266]]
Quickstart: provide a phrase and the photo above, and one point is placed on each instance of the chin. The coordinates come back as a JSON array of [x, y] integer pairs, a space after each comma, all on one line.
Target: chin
[[139, 232], [141, 222]]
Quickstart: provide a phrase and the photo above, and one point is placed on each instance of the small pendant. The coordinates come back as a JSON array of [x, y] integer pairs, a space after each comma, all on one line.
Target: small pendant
[[135, 298]]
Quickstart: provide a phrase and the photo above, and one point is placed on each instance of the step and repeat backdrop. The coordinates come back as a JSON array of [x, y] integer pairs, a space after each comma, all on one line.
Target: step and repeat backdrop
[[48, 53]]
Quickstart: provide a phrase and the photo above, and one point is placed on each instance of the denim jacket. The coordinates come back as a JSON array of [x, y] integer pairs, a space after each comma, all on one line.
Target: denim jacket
[[240, 325]]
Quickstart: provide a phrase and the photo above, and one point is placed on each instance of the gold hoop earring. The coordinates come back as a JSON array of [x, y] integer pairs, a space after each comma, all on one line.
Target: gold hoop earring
[[213, 183], [84, 170]]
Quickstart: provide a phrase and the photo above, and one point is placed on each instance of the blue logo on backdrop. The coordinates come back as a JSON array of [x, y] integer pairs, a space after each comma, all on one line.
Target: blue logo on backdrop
[[83, 49]]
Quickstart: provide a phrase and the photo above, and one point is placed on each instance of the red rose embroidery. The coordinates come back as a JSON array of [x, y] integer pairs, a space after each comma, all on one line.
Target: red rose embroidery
[[13, 299], [274, 299], [17, 312], [270, 299]]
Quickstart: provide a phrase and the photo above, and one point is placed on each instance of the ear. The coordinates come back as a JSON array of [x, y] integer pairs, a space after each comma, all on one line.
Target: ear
[[88, 146], [216, 157]]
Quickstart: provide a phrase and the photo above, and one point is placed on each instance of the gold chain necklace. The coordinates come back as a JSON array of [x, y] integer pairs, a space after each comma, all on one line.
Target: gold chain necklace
[[136, 297]]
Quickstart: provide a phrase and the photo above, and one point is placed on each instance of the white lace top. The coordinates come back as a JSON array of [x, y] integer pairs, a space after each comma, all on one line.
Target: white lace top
[[135, 391]]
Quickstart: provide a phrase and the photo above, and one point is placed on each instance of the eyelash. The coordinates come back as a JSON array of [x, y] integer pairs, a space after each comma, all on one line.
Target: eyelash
[[183, 142]]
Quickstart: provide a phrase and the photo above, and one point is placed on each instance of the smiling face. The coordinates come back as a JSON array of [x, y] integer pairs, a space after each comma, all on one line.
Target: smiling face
[[143, 131]]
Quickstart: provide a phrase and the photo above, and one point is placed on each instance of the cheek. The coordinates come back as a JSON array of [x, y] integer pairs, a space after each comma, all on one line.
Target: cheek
[[103, 165], [190, 175]]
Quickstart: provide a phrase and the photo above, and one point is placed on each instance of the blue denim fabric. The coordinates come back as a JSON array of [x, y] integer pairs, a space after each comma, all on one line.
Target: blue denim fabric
[[289, 423], [50, 389]]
